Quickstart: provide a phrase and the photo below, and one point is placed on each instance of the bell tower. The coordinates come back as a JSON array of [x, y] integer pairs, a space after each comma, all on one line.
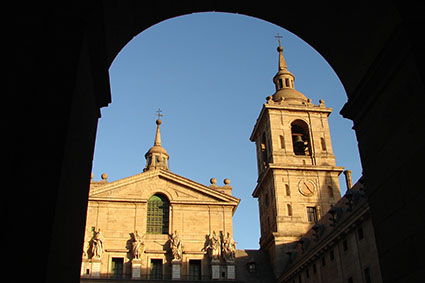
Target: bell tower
[[297, 175]]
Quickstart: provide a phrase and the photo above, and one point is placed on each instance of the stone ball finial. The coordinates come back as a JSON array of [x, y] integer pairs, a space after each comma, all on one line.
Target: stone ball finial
[[158, 122], [213, 181], [104, 176], [279, 48], [226, 181]]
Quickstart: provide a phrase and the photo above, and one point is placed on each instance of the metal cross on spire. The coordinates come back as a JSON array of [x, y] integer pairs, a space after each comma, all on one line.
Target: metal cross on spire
[[278, 36], [159, 113]]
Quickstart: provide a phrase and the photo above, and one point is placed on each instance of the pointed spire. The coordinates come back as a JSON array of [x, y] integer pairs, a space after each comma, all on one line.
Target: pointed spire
[[284, 78], [282, 63], [157, 156], [158, 133], [284, 81]]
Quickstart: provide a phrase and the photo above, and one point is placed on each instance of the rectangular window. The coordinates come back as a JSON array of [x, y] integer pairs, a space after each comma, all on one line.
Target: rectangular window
[[312, 214], [322, 140], [194, 269], [156, 269], [288, 190], [323, 261], [117, 265], [331, 255], [282, 142], [289, 209]]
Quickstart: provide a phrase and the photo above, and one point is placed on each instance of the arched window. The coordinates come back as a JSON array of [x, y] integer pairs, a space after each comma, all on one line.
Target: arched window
[[300, 138], [158, 214]]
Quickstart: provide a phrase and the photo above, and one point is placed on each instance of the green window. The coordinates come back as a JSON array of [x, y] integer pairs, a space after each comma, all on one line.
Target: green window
[[158, 211]]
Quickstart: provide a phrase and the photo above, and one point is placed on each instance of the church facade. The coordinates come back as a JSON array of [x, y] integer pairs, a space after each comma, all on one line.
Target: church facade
[[159, 225]]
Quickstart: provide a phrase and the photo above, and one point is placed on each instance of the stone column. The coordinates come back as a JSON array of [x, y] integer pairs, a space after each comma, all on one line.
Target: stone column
[[348, 180], [136, 268]]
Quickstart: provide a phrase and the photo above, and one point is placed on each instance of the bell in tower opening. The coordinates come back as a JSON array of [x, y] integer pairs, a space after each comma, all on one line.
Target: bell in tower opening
[[300, 138]]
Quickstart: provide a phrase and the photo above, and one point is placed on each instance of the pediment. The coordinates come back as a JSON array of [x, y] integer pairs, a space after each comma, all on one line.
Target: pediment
[[140, 187]]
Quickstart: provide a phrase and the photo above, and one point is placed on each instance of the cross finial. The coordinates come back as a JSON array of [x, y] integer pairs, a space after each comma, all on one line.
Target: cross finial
[[159, 113], [278, 36]]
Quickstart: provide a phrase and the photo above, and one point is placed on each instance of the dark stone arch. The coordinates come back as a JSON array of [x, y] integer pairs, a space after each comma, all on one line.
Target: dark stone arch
[[59, 78]]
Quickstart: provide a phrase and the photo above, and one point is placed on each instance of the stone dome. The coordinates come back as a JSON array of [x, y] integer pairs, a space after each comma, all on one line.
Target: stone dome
[[289, 94]]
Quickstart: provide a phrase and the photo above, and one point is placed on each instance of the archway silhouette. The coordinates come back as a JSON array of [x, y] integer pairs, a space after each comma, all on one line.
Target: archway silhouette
[[66, 83]]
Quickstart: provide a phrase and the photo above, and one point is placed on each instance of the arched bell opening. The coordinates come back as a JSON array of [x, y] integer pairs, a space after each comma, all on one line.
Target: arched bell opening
[[300, 138]]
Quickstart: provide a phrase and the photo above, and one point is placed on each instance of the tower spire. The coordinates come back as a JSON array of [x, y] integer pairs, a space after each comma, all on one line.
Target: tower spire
[[282, 63], [158, 133], [284, 81], [157, 157], [157, 141]]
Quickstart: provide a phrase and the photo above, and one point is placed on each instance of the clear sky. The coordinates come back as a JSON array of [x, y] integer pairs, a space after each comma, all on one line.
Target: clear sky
[[210, 74]]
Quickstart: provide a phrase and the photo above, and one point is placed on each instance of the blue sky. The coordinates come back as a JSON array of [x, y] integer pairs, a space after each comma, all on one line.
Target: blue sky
[[210, 74]]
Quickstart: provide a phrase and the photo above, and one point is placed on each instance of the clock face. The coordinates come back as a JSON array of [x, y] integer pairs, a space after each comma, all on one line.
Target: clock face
[[306, 187]]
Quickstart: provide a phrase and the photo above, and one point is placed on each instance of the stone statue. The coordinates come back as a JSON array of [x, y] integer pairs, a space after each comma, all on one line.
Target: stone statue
[[229, 248], [97, 246], [137, 245], [215, 244], [212, 246], [176, 246]]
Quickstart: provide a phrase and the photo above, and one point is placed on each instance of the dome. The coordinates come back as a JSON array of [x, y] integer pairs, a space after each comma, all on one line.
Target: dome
[[289, 94]]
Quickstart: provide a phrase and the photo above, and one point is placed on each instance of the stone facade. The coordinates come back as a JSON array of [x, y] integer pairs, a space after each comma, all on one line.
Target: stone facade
[[119, 212], [298, 178], [340, 248]]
